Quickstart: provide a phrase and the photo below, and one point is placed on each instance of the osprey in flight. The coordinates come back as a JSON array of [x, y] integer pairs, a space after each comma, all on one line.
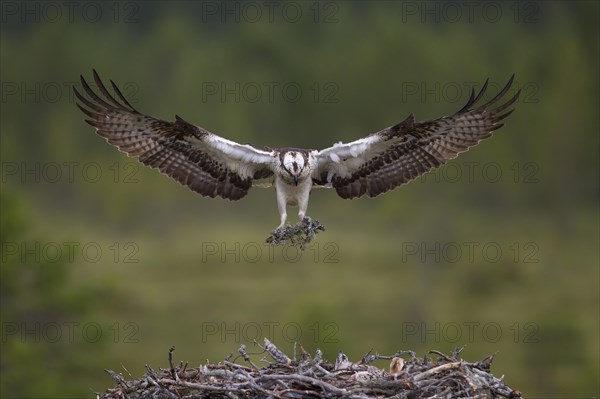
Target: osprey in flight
[[214, 166]]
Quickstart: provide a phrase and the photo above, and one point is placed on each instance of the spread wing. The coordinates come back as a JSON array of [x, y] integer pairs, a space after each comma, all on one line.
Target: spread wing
[[400, 153], [206, 163]]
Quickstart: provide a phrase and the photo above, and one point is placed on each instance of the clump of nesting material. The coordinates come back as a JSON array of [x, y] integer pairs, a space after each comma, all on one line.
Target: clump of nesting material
[[299, 234], [312, 376]]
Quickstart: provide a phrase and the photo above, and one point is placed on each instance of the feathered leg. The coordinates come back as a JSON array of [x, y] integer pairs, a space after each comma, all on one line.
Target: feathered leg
[[281, 204]]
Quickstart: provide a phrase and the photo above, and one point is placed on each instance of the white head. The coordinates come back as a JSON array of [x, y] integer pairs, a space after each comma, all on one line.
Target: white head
[[295, 165]]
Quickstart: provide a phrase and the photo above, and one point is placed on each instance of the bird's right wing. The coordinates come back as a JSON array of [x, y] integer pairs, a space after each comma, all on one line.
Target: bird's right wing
[[204, 162]]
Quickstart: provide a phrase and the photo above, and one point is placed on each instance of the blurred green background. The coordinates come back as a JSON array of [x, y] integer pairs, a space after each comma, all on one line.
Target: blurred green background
[[107, 264]]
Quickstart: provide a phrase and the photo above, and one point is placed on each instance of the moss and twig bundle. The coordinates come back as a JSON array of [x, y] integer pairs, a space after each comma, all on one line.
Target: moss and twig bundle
[[299, 234]]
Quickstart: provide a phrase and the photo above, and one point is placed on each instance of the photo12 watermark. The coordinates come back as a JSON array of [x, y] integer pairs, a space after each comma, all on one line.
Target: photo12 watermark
[[270, 92], [52, 92], [470, 252], [320, 332], [52, 12], [468, 332], [474, 172], [269, 12], [437, 92], [70, 332], [262, 252], [69, 172], [42, 252], [471, 12]]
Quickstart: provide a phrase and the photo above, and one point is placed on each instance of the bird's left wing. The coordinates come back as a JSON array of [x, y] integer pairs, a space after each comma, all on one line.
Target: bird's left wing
[[204, 162], [398, 154]]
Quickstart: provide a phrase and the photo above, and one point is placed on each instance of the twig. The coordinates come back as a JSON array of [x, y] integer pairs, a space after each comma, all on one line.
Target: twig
[[173, 372], [244, 354], [276, 354], [445, 357], [437, 369]]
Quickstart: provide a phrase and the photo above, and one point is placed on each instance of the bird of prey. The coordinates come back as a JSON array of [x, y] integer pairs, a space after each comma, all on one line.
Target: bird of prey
[[213, 166]]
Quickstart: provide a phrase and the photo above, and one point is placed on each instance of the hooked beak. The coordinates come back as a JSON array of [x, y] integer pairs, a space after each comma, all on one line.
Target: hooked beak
[[295, 180]]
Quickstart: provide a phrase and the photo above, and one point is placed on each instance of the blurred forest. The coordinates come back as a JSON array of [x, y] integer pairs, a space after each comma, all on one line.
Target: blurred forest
[[106, 264]]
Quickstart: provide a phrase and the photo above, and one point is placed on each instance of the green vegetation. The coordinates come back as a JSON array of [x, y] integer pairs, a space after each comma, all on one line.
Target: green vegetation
[[496, 251]]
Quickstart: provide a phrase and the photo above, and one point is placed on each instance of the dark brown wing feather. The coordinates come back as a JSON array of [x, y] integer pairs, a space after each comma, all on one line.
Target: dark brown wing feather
[[161, 144], [422, 146]]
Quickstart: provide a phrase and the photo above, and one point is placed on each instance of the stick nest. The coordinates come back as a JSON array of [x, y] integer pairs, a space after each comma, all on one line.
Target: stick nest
[[307, 376], [299, 234]]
